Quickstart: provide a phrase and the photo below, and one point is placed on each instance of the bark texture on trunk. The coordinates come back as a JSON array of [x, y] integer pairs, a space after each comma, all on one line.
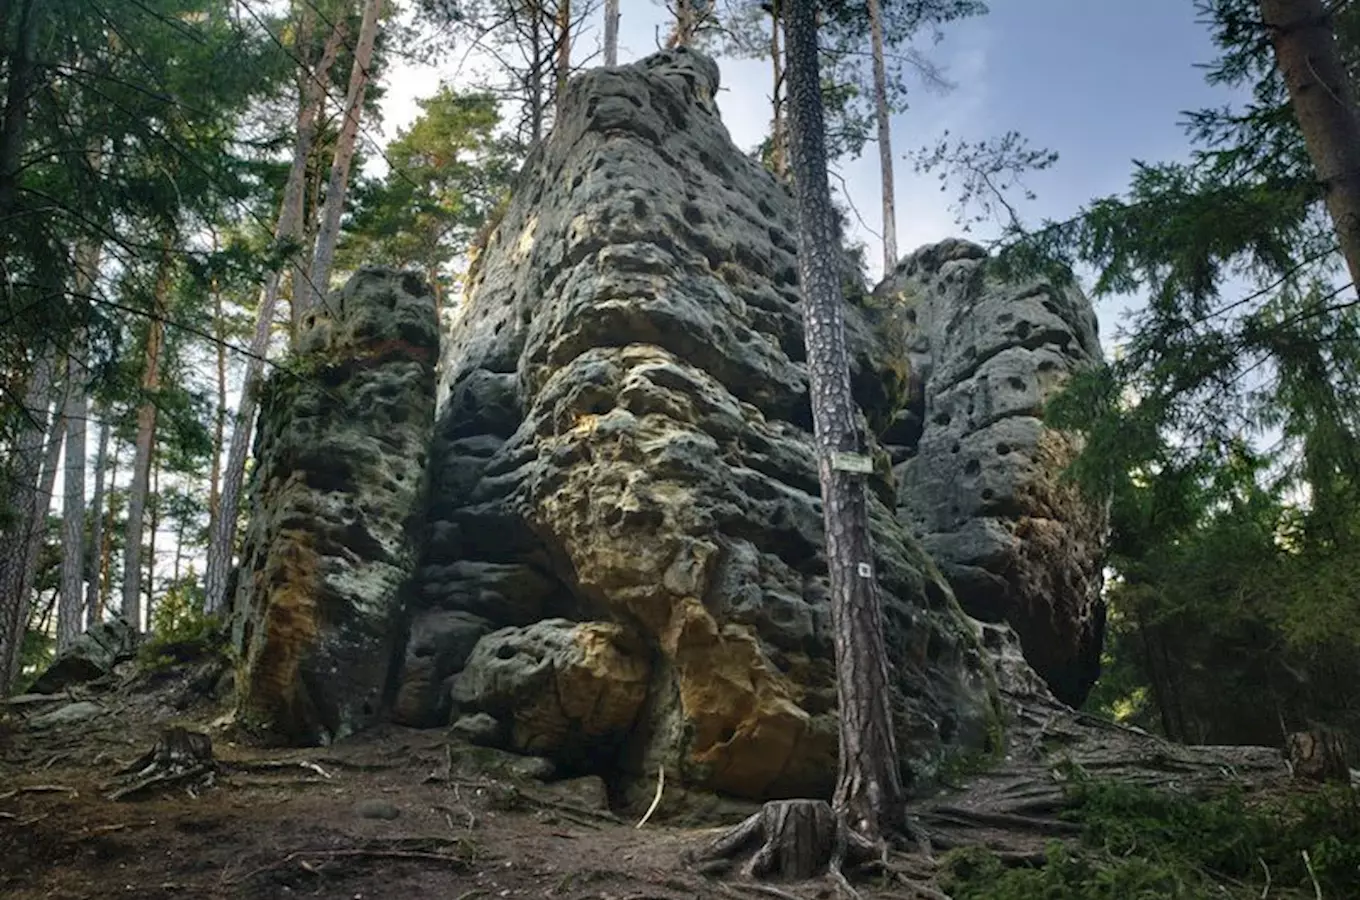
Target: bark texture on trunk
[[71, 604], [32, 550], [19, 88], [94, 551], [869, 798], [290, 225], [338, 185], [779, 159], [106, 546], [885, 158], [1324, 103], [564, 37], [25, 473], [611, 32], [144, 446]]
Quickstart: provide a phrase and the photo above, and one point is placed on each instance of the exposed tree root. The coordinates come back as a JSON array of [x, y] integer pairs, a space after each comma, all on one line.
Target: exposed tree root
[[795, 840], [179, 756]]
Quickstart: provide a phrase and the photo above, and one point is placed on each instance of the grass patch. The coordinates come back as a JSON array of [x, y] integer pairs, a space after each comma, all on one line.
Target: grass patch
[[1140, 844]]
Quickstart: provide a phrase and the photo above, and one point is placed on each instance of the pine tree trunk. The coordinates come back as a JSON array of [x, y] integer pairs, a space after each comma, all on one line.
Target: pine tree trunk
[[611, 32], [220, 414], [32, 550], [535, 76], [140, 487], [869, 797], [290, 225], [1324, 105], [95, 550], [26, 462], [144, 448], [682, 34], [338, 185], [153, 507], [885, 157], [70, 607], [564, 37], [19, 88], [779, 160], [106, 546]]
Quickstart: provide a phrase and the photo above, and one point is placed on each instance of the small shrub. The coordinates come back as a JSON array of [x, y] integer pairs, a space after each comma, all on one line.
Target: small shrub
[[180, 630]]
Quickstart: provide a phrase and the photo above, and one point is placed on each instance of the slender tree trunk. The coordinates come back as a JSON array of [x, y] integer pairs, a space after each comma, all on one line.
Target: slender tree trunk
[[611, 32], [220, 414], [536, 76], [564, 37], [32, 551], [1324, 103], [869, 798], [179, 551], [70, 607], [95, 551], [290, 225], [682, 33], [885, 157], [19, 88], [778, 146], [153, 506], [145, 446], [106, 547], [25, 474], [338, 185]]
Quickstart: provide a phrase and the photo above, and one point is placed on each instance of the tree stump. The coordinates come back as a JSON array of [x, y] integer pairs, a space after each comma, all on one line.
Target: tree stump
[[178, 756], [1318, 755], [797, 840]]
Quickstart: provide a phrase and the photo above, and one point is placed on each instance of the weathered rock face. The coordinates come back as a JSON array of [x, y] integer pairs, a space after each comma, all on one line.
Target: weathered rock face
[[336, 496], [623, 444], [979, 472], [93, 655]]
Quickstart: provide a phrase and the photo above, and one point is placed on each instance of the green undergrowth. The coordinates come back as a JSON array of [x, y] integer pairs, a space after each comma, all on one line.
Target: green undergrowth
[[181, 631], [1140, 844]]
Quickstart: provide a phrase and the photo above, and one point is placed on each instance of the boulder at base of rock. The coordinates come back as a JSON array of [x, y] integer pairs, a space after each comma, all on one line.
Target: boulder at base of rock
[[562, 690], [981, 484], [336, 493], [93, 655]]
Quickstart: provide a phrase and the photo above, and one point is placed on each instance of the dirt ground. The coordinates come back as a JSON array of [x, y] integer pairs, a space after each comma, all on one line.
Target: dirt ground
[[393, 813], [397, 813]]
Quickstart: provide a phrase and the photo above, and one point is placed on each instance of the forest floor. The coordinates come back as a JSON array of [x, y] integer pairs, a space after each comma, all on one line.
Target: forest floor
[[397, 813]]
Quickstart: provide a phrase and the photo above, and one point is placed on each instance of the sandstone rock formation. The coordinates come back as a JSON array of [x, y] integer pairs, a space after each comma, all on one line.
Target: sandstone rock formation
[[92, 655], [623, 444], [336, 496], [979, 472]]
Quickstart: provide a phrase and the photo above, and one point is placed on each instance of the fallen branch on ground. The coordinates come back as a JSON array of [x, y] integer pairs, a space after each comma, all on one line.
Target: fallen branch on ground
[[656, 801], [40, 789], [269, 765]]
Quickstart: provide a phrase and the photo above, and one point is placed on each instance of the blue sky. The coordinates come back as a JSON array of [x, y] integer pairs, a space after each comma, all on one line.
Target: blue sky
[[1102, 82]]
